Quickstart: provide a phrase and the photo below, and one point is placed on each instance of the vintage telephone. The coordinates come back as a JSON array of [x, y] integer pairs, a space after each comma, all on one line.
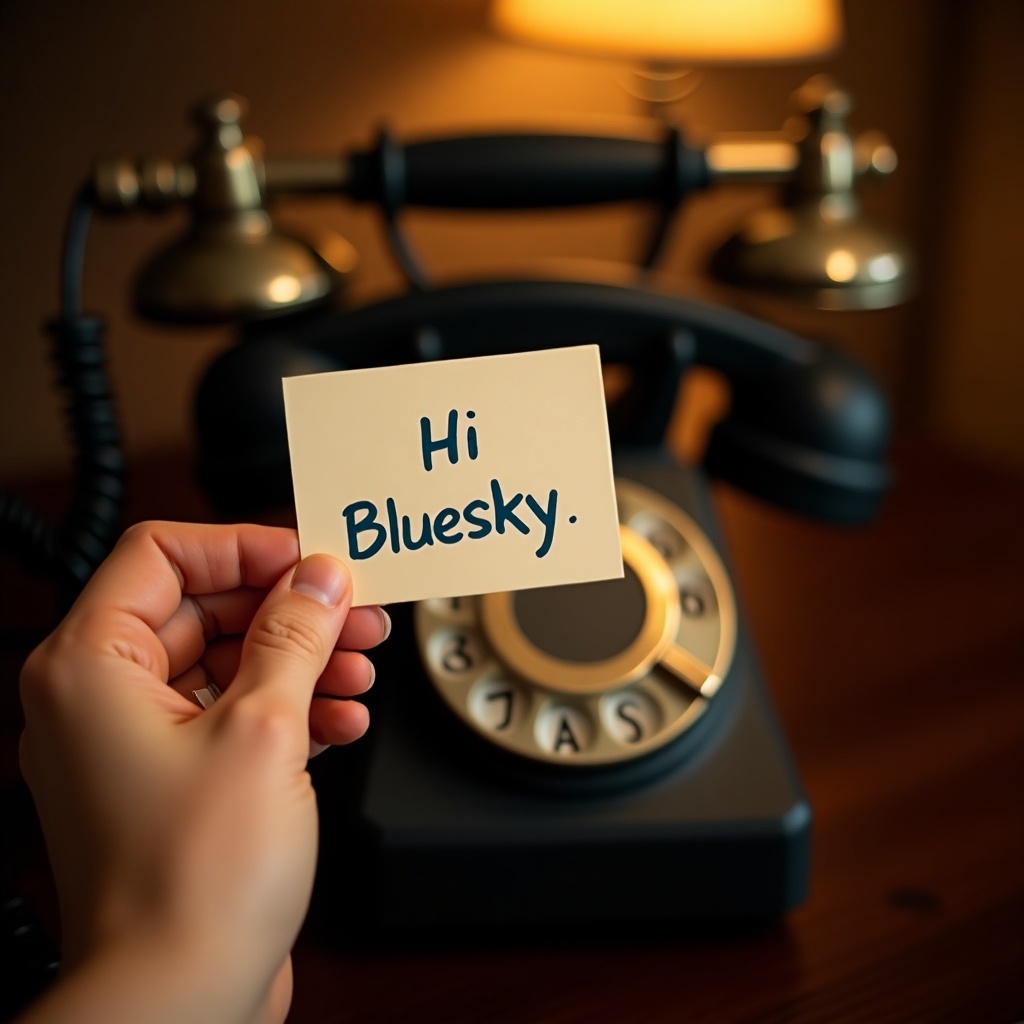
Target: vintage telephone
[[594, 753], [600, 752]]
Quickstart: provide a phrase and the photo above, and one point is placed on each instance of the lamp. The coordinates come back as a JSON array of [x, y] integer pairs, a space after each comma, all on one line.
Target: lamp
[[815, 247], [677, 31], [669, 37]]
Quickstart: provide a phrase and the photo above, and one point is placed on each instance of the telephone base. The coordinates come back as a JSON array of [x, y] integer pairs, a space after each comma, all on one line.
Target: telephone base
[[723, 837], [430, 838]]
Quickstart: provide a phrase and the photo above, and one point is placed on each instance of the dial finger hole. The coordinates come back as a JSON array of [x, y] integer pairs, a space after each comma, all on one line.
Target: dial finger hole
[[696, 596], [497, 704], [630, 716], [659, 534], [700, 621], [456, 610], [564, 730], [455, 653]]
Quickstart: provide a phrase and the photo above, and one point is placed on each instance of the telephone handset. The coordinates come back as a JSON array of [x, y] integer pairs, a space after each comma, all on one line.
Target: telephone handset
[[808, 428], [529, 748]]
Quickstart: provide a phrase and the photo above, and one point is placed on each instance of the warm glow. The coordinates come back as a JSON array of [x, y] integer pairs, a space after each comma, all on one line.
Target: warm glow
[[284, 289], [689, 31], [841, 266]]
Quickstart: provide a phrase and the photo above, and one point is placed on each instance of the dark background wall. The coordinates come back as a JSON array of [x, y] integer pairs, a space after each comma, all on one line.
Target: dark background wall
[[942, 79]]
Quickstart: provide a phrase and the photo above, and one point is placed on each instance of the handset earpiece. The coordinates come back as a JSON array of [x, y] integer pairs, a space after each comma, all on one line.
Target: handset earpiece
[[811, 436]]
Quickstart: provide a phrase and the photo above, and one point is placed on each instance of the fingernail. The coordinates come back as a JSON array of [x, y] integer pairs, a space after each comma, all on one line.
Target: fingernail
[[385, 621], [373, 674], [321, 577]]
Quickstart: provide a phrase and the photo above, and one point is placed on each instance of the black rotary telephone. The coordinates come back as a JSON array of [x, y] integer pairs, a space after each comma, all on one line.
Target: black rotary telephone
[[602, 752], [575, 755]]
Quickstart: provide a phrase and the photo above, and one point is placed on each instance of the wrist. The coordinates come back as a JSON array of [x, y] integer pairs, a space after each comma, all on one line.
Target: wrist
[[160, 977]]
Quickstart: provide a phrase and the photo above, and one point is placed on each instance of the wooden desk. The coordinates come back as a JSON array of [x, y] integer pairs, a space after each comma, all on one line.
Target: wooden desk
[[894, 654]]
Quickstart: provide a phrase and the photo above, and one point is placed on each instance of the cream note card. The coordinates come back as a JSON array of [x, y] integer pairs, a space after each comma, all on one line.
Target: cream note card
[[462, 476]]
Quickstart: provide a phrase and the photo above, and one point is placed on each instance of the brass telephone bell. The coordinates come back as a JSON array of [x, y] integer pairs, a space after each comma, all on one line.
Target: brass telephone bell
[[817, 247], [232, 262]]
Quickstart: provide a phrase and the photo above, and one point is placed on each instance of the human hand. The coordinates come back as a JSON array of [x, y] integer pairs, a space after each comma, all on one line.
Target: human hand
[[183, 842]]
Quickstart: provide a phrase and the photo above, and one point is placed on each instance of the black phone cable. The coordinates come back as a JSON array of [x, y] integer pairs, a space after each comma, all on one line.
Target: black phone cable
[[68, 553], [71, 551]]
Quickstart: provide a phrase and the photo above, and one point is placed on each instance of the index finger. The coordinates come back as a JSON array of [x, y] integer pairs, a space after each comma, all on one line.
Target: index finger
[[155, 563]]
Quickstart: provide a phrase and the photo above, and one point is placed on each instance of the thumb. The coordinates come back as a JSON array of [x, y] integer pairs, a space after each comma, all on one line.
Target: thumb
[[292, 635]]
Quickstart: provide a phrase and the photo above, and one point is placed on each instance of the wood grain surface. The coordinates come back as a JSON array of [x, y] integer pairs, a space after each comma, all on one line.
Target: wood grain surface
[[894, 655]]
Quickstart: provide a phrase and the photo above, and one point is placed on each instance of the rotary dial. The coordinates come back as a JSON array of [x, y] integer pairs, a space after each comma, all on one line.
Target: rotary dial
[[597, 673]]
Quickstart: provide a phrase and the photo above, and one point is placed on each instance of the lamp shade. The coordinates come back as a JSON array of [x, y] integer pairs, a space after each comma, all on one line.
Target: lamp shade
[[681, 31]]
